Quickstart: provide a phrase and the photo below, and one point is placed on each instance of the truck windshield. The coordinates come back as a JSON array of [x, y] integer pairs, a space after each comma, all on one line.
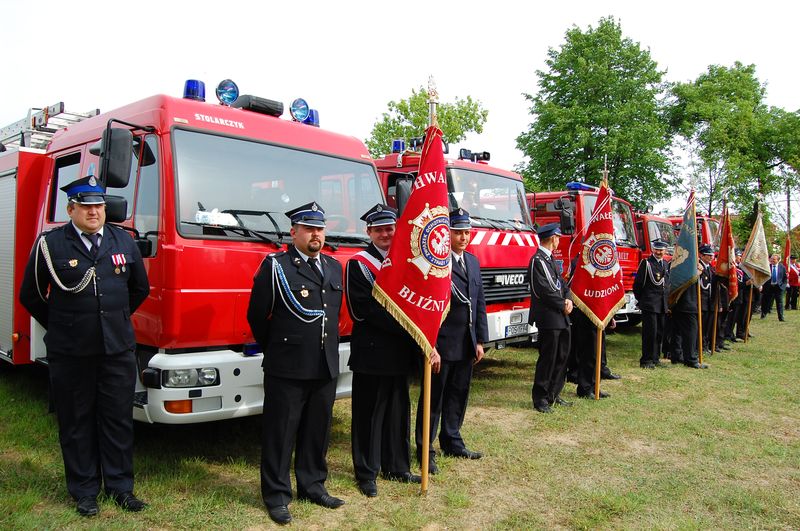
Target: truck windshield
[[624, 232], [491, 200], [227, 184], [662, 230]]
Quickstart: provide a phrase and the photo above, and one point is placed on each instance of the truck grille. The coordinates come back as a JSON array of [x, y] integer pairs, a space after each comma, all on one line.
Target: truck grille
[[505, 284]]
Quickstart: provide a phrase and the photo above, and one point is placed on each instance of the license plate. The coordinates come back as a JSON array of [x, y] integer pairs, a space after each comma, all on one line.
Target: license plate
[[516, 330]]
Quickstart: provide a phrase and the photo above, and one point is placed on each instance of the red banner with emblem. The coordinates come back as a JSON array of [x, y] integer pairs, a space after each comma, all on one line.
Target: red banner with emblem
[[597, 283], [726, 259], [414, 282]]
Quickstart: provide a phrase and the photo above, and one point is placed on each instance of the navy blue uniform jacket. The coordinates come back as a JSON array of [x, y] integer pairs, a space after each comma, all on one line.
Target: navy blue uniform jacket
[[293, 347], [459, 335], [548, 293], [86, 323]]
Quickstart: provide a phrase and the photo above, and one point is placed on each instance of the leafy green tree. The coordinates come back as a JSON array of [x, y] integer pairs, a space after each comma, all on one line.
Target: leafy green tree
[[600, 97], [408, 118], [739, 149]]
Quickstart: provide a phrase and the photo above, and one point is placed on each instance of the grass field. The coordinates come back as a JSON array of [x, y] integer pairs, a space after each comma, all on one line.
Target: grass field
[[673, 448]]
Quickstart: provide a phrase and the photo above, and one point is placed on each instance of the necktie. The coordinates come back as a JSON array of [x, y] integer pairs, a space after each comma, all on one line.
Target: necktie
[[313, 263], [462, 265], [95, 239], [774, 274]]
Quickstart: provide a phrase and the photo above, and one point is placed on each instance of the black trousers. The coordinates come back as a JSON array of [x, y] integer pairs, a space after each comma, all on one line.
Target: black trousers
[[551, 367], [708, 322], [449, 396], [791, 297], [93, 398], [684, 346], [772, 293], [380, 428], [297, 416], [652, 337]]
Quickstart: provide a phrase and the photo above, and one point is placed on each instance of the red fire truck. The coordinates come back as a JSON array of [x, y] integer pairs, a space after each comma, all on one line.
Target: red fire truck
[[572, 208], [204, 199], [650, 227], [502, 235]]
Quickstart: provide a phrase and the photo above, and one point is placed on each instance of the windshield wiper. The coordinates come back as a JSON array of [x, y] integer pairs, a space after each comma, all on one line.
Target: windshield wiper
[[348, 239], [243, 230]]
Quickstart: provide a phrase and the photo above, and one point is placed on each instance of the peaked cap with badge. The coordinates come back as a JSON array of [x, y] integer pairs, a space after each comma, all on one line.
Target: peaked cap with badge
[[310, 214], [85, 191], [380, 215]]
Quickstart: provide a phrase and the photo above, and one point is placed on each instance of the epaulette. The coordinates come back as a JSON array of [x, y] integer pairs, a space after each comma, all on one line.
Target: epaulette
[[276, 254]]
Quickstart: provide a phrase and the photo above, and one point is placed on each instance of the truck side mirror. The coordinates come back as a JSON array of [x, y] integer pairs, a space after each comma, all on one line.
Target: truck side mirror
[[403, 192], [116, 209], [115, 157], [566, 215]]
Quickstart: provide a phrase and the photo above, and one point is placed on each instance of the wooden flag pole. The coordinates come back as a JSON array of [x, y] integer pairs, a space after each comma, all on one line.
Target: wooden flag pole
[[426, 424], [714, 326], [699, 321], [598, 359], [749, 313]]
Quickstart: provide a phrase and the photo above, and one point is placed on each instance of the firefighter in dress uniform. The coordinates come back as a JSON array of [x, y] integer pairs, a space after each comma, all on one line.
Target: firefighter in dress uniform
[[83, 282], [738, 304], [294, 316], [706, 280], [550, 309], [382, 355], [460, 345], [650, 290], [745, 291], [684, 327]]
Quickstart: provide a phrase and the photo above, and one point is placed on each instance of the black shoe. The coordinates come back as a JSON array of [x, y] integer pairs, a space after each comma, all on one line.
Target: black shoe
[[724, 347], [432, 468], [781, 319], [543, 408], [647, 365], [697, 365], [590, 396], [610, 376], [469, 454], [403, 477], [732, 339], [279, 514], [368, 488], [87, 506], [326, 500], [572, 377], [128, 502], [763, 315], [561, 402]]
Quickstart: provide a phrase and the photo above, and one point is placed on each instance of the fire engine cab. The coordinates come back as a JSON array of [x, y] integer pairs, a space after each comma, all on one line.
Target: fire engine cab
[[651, 227], [204, 198], [502, 236]]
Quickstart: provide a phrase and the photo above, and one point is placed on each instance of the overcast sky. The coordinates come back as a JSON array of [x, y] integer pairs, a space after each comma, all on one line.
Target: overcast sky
[[348, 59]]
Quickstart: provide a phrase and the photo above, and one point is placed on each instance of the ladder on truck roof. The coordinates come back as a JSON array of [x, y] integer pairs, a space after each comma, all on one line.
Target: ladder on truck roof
[[36, 130]]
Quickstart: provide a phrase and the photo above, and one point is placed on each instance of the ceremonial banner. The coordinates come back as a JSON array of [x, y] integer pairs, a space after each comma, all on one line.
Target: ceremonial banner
[[597, 281], [414, 282], [683, 271], [756, 255], [726, 259]]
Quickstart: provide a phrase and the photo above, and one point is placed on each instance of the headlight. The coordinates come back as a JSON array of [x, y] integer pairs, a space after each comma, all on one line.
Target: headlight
[[207, 376], [190, 377]]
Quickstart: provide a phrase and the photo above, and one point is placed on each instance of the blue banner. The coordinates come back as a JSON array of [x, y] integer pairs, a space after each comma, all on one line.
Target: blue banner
[[683, 271]]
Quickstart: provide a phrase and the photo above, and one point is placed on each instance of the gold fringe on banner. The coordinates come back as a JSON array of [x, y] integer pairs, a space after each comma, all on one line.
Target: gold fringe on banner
[[407, 324], [591, 315]]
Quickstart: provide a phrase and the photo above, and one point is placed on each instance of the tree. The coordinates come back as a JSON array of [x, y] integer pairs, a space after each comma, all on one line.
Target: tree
[[409, 118], [739, 149], [601, 97]]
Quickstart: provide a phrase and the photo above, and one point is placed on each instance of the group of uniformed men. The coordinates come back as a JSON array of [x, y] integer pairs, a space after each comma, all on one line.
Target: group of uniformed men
[[567, 337], [86, 278], [293, 313]]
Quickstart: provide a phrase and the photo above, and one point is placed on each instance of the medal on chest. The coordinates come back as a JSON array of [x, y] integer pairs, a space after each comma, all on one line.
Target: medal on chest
[[119, 262]]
